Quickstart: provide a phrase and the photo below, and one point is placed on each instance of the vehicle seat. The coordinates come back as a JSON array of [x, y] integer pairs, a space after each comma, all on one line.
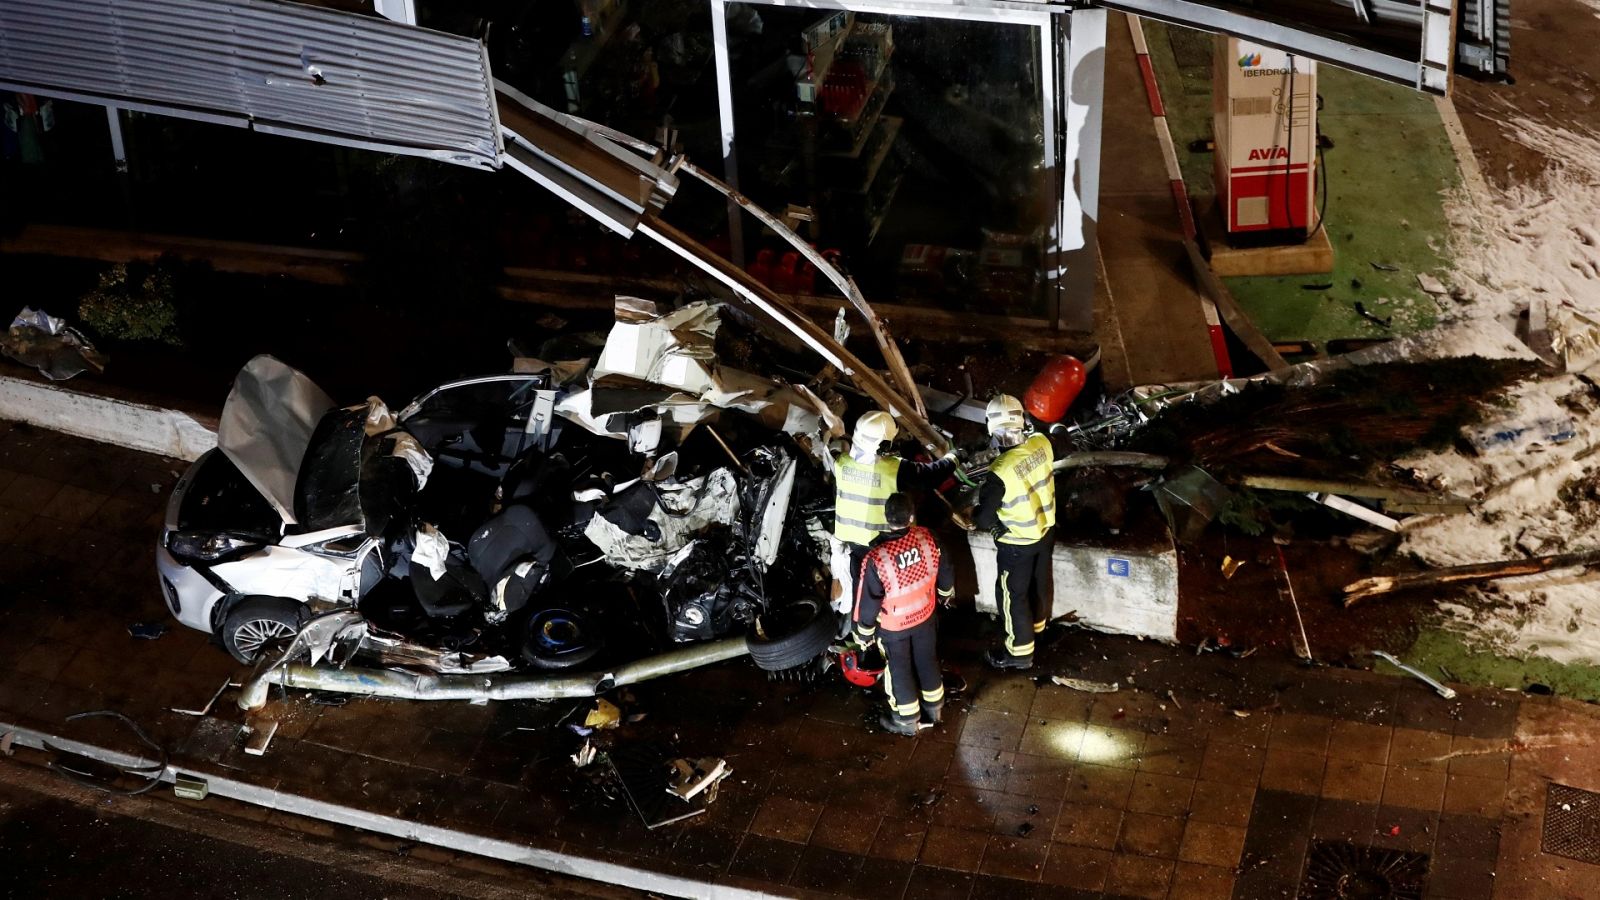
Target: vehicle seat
[[513, 536], [458, 591]]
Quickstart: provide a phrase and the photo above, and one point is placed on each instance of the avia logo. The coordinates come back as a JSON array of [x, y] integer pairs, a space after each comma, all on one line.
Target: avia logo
[[1269, 153], [1250, 60]]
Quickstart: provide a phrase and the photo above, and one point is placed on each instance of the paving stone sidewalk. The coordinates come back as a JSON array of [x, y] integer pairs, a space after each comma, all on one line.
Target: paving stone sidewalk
[[1250, 779]]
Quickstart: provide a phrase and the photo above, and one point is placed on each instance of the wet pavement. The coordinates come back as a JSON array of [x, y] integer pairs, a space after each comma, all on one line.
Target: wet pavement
[[1250, 774]]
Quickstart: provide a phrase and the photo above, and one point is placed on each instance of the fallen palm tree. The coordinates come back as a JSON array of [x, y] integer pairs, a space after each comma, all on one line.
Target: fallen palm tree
[[1356, 591]]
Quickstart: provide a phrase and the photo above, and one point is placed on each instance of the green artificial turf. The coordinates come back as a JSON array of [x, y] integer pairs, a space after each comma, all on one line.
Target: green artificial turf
[[1469, 664], [1389, 164]]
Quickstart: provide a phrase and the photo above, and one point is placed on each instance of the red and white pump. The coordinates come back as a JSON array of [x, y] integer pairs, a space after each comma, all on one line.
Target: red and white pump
[[1264, 106]]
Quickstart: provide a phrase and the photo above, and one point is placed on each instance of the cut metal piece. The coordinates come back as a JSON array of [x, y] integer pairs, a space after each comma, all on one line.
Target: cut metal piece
[[1441, 690]]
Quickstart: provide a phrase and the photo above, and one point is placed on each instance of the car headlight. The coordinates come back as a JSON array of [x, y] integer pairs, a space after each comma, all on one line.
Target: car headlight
[[203, 546]]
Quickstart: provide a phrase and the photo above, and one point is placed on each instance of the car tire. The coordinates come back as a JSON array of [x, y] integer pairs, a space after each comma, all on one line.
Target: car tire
[[255, 622], [793, 635], [558, 639]]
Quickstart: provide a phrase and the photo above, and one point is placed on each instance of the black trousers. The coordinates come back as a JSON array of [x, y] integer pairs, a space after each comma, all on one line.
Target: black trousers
[[911, 676], [1022, 590]]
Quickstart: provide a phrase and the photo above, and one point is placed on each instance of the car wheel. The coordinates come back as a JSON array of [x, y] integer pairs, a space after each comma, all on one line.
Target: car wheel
[[255, 624], [792, 635], [558, 639]]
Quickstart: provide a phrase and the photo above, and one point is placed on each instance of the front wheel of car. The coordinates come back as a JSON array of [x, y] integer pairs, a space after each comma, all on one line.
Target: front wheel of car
[[256, 624], [792, 634]]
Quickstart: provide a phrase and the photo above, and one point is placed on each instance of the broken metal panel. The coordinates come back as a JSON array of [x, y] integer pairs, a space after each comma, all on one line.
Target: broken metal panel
[[1483, 37], [581, 162], [266, 426], [285, 68]]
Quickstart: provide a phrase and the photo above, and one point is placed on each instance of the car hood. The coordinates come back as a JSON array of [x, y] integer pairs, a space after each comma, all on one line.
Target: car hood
[[266, 427]]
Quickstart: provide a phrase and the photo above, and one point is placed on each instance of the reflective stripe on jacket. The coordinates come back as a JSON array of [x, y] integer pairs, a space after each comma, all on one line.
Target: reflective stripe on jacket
[[909, 569], [1028, 509], [860, 491]]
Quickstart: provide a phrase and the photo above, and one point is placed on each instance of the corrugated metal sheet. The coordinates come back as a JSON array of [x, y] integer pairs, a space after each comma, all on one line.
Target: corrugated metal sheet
[[383, 85], [1487, 25]]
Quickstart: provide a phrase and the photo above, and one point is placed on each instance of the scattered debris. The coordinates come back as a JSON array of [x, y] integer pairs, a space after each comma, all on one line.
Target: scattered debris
[[1174, 698], [585, 755], [647, 774], [1088, 687], [1521, 434], [1431, 285], [6, 740], [1441, 690], [925, 801], [1357, 511], [48, 344], [260, 733], [604, 715], [1384, 267], [1230, 567], [692, 777], [1025, 829], [101, 776], [226, 683], [1380, 321], [1304, 648], [147, 631]]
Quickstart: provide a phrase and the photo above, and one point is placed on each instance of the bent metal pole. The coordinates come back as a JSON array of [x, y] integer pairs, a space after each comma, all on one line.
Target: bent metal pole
[[402, 685], [795, 322]]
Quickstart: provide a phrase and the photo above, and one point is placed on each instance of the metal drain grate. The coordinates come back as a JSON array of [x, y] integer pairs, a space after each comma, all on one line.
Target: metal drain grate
[[1572, 823], [1337, 870]]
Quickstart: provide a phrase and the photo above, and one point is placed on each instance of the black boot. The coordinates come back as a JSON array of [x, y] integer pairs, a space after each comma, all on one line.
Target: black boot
[[1000, 659], [896, 725], [933, 713]]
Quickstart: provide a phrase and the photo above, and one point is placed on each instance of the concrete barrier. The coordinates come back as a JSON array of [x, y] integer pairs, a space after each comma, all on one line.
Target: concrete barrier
[[1125, 588], [148, 429]]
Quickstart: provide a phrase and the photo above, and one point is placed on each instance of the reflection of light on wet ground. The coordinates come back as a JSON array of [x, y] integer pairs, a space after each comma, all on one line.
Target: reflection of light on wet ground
[[1089, 743], [1102, 744]]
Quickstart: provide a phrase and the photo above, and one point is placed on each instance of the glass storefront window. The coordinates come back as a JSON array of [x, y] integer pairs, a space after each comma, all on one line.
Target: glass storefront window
[[911, 146]]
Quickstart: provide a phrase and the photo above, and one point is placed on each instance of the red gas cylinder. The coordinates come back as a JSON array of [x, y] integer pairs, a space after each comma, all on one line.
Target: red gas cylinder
[[1053, 391]]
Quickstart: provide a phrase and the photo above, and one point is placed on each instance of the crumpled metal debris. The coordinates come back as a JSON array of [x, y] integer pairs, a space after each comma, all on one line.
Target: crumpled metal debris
[[679, 513], [48, 344], [657, 378], [1080, 684]]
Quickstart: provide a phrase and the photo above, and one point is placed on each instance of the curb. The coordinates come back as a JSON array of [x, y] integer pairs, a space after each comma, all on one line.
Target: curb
[[1180, 192], [136, 426], [393, 826]]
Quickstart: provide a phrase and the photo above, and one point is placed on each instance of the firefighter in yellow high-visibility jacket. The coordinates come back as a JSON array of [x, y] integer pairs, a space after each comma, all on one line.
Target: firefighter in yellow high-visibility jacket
[[1017, 504], [864, 477]]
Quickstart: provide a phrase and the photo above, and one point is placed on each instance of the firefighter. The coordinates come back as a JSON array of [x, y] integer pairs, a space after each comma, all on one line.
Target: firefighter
[[863, 478], [902, 578], [1017, 504]]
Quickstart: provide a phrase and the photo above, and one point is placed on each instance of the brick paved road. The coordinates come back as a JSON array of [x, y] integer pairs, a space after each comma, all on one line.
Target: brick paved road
[[1027, 789]]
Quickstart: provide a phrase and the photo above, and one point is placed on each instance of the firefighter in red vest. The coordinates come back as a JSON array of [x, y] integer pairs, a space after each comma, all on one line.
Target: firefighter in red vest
[[901, 581]]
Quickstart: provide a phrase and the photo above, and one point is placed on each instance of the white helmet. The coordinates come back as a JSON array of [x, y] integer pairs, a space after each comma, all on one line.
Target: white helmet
[[1006, 420], [872, 430]]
